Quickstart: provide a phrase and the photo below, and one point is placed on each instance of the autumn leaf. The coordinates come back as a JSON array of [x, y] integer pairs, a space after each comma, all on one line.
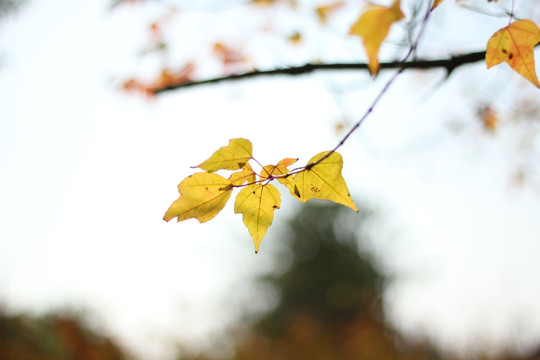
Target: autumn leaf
[[292, 3], [514, 44], [247, 174], [202, 196], [231, 157], [489, 118], [295, 38], [166, 79], [257, 204], [435, 4], [324, 181], [263, 2], [278, 171], [324, 10], [373, 26], [233, 59]]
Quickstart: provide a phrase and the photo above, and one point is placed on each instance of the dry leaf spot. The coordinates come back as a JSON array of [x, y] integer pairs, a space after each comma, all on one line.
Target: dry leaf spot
[[510, 55]]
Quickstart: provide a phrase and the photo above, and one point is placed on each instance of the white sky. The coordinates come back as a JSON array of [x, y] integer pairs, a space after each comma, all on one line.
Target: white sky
[[87, 172]]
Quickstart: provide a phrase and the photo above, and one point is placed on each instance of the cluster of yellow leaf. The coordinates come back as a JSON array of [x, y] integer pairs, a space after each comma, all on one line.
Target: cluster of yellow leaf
[[204, 194], [513, 44]]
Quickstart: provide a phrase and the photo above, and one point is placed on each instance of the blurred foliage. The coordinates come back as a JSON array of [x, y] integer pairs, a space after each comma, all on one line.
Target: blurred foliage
[[328, 279], [330, 308], [53, 337], [330, 299], [9, 6], [330, 304]]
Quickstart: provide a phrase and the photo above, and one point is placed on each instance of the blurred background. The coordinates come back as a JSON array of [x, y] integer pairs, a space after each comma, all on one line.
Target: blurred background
[[440, 263]]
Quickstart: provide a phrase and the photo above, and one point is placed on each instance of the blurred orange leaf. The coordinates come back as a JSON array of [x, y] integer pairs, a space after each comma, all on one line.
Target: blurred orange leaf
[[489, 118], [435, 4], [166, 79], [295, 38], [292, 3], [324, 11], [373, 26], [232, 59]]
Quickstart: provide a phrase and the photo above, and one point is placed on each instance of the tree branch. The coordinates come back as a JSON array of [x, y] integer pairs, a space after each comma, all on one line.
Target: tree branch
[[402, 65], [449, 64]]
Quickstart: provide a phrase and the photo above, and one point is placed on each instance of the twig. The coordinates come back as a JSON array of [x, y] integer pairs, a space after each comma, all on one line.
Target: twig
[[449, 64], [382, 92]]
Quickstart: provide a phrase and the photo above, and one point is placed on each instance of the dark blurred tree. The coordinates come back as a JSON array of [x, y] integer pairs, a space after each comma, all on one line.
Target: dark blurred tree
[[53, 337], [9, 6], [330, 298], [330, 305], [328, 278]]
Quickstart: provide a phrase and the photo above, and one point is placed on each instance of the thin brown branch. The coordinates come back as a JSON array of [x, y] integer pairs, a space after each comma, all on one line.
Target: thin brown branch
[[449, 64], [402, 65]]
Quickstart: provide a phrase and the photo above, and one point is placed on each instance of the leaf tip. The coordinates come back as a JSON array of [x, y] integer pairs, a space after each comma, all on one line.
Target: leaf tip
[[374, 69], [257, 245], [435, 4], [168, 216]]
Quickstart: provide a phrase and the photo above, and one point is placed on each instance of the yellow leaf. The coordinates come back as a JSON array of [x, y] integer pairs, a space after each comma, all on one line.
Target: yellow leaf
[[295, 38], [324, 181], [241, 177], [489, 118], [202, 196], [373, 27], [435, 4], [514, 44], [324, 10], [257, 204], [231, 157]]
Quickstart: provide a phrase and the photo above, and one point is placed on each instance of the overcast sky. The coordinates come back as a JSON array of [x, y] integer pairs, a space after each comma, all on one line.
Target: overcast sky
[[87, 172]]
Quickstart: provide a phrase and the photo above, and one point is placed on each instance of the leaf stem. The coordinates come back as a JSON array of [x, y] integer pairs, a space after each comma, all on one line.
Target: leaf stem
[[511, 13], [484, 12], [258, 163], [403, 62], [379, 96]]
